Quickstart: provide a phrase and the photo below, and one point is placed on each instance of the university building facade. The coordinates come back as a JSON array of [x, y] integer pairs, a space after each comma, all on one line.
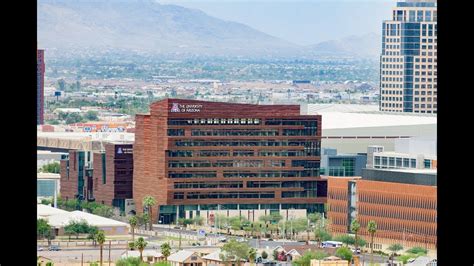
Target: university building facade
[[199, 158]]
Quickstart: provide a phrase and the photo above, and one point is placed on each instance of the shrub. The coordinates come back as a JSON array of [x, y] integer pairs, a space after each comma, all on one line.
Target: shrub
[[162, 263], [405, 257], [344, 253], [264, 255], [418, 251], [94, 264], [49, 263], [131, 261]]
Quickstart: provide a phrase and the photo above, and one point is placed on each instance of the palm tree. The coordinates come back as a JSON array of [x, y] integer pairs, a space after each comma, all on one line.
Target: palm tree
[[149, 202], [355, 226], [252, 255], [133, 221], [140, 244], [165, 250], [371, 228], [394, 248], [100, 238]]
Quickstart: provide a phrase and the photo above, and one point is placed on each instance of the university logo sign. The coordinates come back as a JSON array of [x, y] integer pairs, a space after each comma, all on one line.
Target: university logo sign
[[175, 108]]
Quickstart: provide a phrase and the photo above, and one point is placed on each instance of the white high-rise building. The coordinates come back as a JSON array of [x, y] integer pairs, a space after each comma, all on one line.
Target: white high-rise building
[[408, 64]]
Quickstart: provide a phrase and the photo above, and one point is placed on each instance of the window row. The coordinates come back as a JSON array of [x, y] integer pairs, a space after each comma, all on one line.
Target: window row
[[218, 153], [220, 184], [225, 195], [394, 161], [235, 143], [214, 121], [271, 174], [398, 214]]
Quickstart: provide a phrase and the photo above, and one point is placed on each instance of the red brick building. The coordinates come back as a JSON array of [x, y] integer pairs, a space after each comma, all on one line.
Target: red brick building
[[104, 177], [403, 203], [193, 156], [40, 68]]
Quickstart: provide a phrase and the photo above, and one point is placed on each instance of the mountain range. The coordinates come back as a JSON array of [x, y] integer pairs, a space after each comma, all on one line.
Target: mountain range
[[145, 25]]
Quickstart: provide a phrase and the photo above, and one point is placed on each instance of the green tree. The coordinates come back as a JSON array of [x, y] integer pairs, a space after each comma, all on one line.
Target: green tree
[[76, 228], [73, 118], [252, 255], [198, 220], [140, 244], [355, 226], [51, 168], [275, 254], [371, 229], [133, 221], [149, 202], [344, 253], [234, 251], [346, 239], [91, 116], [264, 255], [305, 260], [42, 228], [93, 230], [165, 250], [100, 239], [314, 217], [104, 211], [145, 220], [321, 235], [394, 248]]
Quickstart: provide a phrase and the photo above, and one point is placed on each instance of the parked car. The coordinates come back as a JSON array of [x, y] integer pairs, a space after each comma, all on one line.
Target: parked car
[[240, 239], [355, 251], [54, 248], [40, 249], [222, 239]]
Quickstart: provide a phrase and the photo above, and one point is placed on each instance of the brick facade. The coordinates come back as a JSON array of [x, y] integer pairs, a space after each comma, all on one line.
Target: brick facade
[[152, 144], [404, 213]]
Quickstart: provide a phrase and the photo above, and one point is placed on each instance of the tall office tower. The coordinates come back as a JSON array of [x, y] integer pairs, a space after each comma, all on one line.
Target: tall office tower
[[39, 87], [206, 159], [408, 64]]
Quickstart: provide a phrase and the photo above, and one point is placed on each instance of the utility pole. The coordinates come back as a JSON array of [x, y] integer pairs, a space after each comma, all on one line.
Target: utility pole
[[110, 246], [82, 259]]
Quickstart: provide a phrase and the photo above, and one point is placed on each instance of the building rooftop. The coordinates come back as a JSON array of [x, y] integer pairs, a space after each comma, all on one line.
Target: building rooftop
[[44, 211], [423, 177], [48, 176], [60, 218], [181, 256]]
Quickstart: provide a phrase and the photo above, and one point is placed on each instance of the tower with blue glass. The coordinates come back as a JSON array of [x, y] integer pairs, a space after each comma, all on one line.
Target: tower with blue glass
[[408, 64]]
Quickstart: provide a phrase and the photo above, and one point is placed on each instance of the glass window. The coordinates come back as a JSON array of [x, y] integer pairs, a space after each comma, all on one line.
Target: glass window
[[412, 163], [406, 162], [391, 161], [427, 164], [377, 160], [412, 16], [428, 16], [419, 16], [399, 162]]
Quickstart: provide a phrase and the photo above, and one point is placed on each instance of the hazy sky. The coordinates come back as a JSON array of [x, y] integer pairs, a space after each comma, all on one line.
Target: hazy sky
[[299, 21]]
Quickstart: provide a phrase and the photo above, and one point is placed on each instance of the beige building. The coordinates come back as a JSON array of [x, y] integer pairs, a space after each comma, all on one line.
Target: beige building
[[330, 261], [408, 64], [185, 258]]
